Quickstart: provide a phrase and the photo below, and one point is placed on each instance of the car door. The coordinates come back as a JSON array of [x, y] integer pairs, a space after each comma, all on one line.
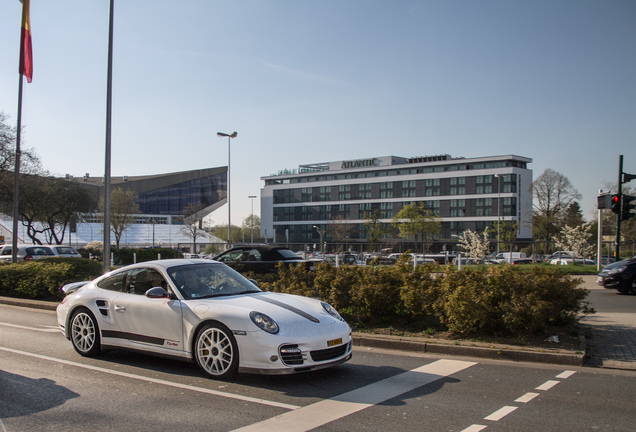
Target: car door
[[149, 323]]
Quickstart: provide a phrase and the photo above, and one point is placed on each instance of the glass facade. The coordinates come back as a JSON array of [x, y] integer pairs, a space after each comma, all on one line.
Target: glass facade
[[174, 198]]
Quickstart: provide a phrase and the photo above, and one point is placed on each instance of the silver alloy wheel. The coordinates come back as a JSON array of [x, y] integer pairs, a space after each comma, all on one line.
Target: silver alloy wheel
[[216, 351], [84, 333]]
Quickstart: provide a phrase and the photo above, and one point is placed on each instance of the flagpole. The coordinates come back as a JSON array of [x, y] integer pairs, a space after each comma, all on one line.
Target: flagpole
[[16, 178], [109, 91]]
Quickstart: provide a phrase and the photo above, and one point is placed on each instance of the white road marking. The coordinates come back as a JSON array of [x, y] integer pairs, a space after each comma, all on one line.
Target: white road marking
[[527, 397], [474, 428], [44, 330], [547, 385], [154, 380], [565, 374], [500, 413], [326, 411]]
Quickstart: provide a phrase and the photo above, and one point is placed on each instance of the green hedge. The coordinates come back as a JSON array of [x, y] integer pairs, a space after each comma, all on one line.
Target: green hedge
[[497, 300], [42, 279]]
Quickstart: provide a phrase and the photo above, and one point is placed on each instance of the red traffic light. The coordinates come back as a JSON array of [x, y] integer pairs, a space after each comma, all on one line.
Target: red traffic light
[[616, 204]]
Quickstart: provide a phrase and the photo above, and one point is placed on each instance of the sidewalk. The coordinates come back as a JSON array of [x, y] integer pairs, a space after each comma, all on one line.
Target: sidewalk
[[612, 345]]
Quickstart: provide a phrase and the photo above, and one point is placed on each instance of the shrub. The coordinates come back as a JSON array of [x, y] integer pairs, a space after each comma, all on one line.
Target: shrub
[[42, 279]]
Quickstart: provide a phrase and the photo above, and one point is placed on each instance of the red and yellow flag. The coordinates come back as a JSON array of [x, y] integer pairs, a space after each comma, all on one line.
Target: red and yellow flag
[[26, 53]]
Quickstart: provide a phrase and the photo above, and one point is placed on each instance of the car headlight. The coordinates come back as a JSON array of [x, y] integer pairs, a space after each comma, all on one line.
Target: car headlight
[[264, 322], [617, 269], [331, 311]]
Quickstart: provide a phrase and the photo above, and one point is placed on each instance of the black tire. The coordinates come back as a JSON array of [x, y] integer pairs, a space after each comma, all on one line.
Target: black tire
[[85, 333], [216, 351], [632, 286]]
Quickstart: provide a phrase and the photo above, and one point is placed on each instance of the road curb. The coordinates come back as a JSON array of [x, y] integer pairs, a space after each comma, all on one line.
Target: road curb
[[534, 354]]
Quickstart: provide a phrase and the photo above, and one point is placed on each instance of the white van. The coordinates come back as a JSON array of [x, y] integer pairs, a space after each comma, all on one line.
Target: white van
[[509, 256]]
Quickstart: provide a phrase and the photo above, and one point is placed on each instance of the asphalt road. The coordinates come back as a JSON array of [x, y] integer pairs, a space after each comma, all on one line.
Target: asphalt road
[[46, 386]]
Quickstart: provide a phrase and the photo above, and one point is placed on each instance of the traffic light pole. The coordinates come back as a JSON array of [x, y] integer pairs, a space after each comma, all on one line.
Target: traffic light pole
[[617, 252]]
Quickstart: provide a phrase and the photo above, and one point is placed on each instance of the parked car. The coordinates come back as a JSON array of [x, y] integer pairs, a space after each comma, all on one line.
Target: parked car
[[65, 251], [261, 259], [205, 312], [620, 275], [26, 252]]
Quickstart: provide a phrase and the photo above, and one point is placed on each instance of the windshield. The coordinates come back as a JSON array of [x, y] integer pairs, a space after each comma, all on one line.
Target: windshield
[[209, 280], [286, 254]]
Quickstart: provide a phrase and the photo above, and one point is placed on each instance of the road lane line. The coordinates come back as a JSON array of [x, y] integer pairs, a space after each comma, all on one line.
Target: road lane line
[[474, 428], [547, 385], [565, 374], [326, 411], [44, 330], [527, 397], [154, 380], [500, 413]]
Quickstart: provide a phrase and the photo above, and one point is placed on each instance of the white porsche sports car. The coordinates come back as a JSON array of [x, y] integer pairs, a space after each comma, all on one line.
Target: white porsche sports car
[[203, 311]]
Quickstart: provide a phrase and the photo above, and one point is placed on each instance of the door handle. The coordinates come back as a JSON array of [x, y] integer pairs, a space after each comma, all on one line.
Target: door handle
[[119, 308]]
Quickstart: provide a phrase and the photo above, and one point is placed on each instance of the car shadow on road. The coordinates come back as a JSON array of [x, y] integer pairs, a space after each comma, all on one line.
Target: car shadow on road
[[23, 396]]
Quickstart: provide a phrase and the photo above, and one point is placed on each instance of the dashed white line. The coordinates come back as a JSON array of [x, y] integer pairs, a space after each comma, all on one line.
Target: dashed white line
[[500, 413], [547, 385], [526, 397], [154, 380], [474, 428], [565, 374], [326, 411]]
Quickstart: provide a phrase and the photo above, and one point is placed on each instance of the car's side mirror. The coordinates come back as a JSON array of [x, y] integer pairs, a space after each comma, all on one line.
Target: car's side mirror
[[254, 282], [158, 292]]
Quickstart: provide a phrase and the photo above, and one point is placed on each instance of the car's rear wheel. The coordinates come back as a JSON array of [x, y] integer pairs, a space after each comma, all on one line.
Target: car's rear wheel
[[85, 333], [216, 351]]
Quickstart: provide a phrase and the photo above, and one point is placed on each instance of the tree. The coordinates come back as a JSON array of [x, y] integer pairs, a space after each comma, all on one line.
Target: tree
[[47, 204], [123, 208], [252, 227], [473, 244], [574, 239], [339, 230], [374, 226], [415, 220], [193, 222], [573, 215], [552, 195]]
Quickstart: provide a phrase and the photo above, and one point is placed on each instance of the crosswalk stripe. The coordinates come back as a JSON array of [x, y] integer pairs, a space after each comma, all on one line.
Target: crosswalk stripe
[[326, 411]]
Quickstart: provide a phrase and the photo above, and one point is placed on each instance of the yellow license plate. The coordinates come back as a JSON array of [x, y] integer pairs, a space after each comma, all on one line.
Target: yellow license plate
[[334, 342]]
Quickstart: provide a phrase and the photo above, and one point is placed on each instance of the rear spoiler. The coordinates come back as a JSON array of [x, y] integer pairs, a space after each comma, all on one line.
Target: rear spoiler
[[72, 287]]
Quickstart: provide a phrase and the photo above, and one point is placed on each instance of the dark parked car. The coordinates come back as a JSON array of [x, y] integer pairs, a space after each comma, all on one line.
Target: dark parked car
[[620, 275], [261, 259]]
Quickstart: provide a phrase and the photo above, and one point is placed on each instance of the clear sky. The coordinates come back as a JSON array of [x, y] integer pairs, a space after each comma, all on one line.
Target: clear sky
[[323, 80]]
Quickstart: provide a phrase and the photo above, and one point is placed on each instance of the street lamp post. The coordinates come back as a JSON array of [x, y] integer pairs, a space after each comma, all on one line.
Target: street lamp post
[[320, 231], [229, 221], [498, 207], [251, 197]]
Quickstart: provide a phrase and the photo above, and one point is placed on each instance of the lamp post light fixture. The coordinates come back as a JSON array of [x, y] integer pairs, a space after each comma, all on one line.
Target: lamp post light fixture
[[498, 177], [251, 197], [229, 221]]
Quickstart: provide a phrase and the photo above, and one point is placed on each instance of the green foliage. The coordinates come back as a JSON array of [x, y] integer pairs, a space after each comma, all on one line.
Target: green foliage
[[125, 256], [498, 300], [42, 279]]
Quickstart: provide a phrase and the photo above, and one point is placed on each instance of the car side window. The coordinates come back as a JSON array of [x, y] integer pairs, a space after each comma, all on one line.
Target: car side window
[[251, 255], [6, 250], [114, 282], [231, 256], [141, 280]]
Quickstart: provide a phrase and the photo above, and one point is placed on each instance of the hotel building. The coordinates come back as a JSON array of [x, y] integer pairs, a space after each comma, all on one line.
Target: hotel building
[[466, 193]]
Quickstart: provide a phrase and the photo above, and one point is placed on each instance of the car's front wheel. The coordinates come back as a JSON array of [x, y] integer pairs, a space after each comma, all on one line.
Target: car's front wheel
[[85, 333], [216, 351], [632, 286]]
